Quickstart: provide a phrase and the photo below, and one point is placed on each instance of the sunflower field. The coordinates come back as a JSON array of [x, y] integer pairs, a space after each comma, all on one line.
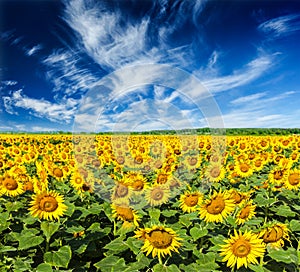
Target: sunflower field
[[149, 203]]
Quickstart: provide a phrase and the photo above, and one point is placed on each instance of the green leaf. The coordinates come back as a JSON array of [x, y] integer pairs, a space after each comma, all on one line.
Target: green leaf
[[117, 245], [22, 265], [169, 213], [111, 263], [4, 223], [6, 248], [95, 227], [198, 232], [295, 225], [44, 267], [286, 256], [49, 228], [134, 244], [172, 268], [186, 219], [154, 214], [256, 268], [285, 211], [261, 200], [70, 210], [60, 258], [28, 241], [207, 262]]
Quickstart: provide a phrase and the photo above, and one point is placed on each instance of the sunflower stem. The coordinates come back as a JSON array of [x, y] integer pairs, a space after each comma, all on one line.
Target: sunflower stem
[[47, 245]]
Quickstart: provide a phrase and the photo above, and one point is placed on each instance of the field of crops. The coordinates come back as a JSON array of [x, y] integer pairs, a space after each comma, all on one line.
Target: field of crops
[[149, 203]]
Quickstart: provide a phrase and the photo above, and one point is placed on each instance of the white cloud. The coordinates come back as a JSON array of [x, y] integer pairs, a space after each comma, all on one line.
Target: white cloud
[[9, 82], [34, 50], [248, 98], [67, 74], [281, 26], [240, 77], [59, 112]]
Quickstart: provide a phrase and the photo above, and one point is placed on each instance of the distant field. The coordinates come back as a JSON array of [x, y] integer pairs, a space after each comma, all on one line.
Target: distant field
[[156, 201]]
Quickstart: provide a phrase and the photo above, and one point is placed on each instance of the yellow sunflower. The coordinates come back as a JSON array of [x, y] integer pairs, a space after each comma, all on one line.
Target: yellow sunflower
[[275, 235], [126, 214], [10, 186], [217, 207], [242, 249], [121, 193], [47, 205], [245, 213], [157, 195], [215, 172], [189, 201], [292, 182], [159, 240], [77, 181], [244, 169]]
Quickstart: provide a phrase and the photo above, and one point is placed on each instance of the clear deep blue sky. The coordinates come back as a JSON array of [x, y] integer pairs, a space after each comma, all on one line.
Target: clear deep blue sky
[[55, 53]]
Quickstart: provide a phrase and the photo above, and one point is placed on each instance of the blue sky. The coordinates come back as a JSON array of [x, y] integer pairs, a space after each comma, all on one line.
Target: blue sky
[[142, 65]]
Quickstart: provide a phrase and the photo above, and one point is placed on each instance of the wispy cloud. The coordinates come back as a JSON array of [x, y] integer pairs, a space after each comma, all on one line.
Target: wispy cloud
[[9, 82], [63, 112], [248, 98], [67, 73], [240, 77], [34, 50], [281, 26]]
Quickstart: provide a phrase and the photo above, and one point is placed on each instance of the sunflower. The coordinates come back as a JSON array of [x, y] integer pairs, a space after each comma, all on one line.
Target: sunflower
[[159, 240], [189, 201], [47, 205], [245, 213], [77, 181], [238, 197], [157, 195], [217, 207], [11, 187], [274, 235], [292, 182], [136, 181], [215, 172], [244, 169], [121, 193], [242, 249], [277, 176], [126, 214]]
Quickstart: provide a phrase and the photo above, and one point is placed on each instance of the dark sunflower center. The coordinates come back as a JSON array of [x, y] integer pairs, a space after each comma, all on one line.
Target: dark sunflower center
[[78, 180], [121, 191], [10, 184], [191, 200], [192, 161], [273, 235], [162, 178], [294, 179], [244, 212], [160, 239], [120, 160], [138, 185], [241, 248], [48, 204], [157, 194], [138, 159], [244, 167], [216, 206], [125, 213], [215, 172], [57, 172], [258, 163], [278, 174]]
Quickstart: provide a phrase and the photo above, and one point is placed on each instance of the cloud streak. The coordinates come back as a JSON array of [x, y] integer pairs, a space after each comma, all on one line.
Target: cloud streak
[[281, 26], [63, 112]]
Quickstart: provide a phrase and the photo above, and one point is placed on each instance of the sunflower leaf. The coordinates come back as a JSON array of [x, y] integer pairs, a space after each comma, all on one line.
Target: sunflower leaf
[[44, 267], [49, 228], [286, 256], [111, 263], [284, 211], [28, 241], [198, 232], [60, 258], [295, 225]]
